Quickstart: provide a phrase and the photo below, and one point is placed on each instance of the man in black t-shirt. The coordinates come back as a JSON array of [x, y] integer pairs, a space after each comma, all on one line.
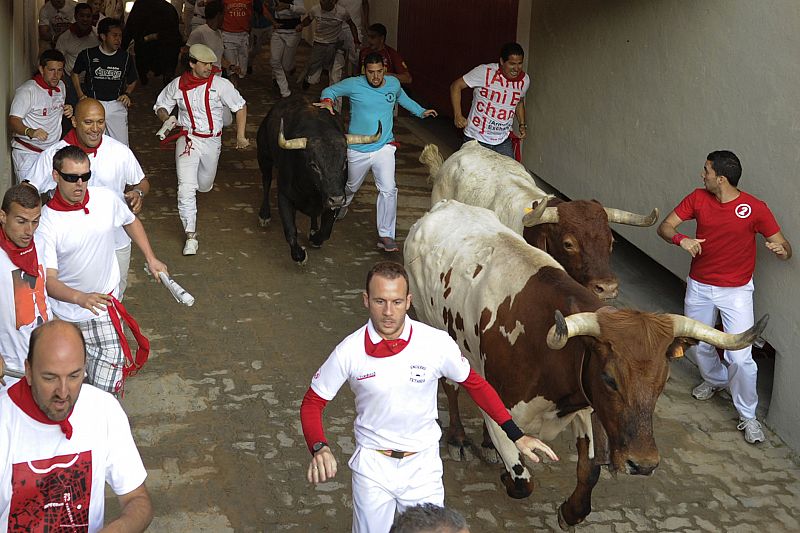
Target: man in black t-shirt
[[110, 77]]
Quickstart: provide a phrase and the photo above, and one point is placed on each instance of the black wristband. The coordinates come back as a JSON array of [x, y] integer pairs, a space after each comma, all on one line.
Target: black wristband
[[512, 430]]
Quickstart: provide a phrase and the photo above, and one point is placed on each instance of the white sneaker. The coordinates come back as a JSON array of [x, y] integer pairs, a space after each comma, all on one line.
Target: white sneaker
[[704, 391], [752, 430], [190, 248]]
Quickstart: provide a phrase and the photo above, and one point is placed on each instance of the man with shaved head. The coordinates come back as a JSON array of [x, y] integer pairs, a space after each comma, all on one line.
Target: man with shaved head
[[113, 166], [61, 440]]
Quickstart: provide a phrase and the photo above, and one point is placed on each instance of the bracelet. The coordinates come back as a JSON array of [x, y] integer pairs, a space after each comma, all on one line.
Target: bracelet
[[26, 132], [677, 238], [140, 191]]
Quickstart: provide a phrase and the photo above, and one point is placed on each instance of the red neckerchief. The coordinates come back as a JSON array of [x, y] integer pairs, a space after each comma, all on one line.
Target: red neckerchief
[[520, 76], [43, 84], [79, 34], [57, 203], [189, 81], [24, 258], [385, 348], [72, 138], [20, 393]]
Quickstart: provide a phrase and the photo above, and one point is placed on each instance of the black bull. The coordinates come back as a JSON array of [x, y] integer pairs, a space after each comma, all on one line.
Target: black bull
[[309, 148]]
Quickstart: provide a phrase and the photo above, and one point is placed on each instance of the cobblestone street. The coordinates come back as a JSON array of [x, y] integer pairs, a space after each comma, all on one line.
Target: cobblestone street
[[215, 411]]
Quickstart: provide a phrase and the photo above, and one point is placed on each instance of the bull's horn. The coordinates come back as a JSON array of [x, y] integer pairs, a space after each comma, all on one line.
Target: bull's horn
[[549, 215], [534, 212], [291, 144], [686, 327], [631, 219], [571, 326], [365, 139]]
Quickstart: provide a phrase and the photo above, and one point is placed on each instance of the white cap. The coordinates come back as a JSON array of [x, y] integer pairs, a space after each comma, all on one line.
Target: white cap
[[203, 53]]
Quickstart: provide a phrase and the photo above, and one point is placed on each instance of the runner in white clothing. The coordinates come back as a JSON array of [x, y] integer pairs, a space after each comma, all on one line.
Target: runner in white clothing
[[113, 166], [36, 111], [200, 98]]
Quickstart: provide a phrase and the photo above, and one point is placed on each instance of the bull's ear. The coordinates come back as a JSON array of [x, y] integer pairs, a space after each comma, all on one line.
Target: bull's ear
[[679, 346]]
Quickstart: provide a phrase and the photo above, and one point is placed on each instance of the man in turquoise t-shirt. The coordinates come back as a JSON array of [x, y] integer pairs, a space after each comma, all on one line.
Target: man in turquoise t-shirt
[[372, 99]]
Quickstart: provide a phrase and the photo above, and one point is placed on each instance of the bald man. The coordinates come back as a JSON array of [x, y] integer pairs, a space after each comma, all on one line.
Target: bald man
[[78, 438], [113, 166]]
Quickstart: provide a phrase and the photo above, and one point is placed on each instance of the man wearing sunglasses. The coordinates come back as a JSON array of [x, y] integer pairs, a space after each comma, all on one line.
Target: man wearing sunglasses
[[113, 166], [77, 234]]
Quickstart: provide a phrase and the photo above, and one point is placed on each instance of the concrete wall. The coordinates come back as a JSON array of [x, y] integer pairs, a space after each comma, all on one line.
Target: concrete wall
[[386, 12], [629, 97]]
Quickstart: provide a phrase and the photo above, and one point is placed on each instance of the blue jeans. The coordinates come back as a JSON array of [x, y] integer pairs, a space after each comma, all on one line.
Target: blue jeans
[[505, 147]]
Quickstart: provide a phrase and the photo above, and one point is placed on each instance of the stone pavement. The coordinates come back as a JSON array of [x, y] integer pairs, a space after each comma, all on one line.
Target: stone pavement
[[216, 410]]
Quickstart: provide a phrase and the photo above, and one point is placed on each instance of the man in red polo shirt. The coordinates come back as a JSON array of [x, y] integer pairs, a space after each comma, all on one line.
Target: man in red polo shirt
[[721, 277], [392, 60]]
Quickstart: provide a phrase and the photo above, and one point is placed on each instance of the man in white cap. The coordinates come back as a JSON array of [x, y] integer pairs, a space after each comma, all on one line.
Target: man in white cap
[[200, 97]]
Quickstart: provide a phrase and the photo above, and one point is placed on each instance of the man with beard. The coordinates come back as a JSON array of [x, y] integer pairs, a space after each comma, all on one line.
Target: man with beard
[[61, 441], [77, 239], [23, 300], [372, 99], [393, 365], [113, 166], [110, 77], [36, 111]]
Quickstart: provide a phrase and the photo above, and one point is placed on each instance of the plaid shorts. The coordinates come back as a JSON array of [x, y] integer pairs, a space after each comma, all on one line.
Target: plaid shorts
[[104, 356]]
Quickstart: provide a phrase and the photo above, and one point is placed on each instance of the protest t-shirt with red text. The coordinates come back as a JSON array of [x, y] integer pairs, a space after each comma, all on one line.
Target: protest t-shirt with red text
[[494, 101]]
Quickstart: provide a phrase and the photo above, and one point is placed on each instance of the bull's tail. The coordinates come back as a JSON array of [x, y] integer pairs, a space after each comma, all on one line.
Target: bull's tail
[[432, 158]]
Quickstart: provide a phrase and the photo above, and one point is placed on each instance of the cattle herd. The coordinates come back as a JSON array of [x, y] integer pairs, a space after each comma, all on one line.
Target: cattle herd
[[517, 278]]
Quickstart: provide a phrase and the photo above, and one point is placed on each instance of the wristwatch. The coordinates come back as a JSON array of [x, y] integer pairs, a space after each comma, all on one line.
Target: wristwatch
[[318, 446], [140, 191]]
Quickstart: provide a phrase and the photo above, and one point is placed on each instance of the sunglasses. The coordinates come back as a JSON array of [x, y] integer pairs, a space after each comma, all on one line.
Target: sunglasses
[[72, 178]]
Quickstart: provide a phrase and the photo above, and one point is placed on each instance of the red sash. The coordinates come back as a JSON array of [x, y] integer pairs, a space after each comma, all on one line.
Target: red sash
[[132, 364]]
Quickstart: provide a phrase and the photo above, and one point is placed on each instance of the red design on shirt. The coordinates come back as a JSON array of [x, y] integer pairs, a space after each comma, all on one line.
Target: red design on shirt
[[29, 297], [51, 494], [728, 258], [237, 16]]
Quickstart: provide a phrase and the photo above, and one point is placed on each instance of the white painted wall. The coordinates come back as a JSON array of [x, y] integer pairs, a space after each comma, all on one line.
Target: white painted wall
[[629, 97]]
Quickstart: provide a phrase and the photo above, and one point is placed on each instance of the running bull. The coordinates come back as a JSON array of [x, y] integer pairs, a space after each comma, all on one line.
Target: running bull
[[575, 233], [309, 148], [556, 355]]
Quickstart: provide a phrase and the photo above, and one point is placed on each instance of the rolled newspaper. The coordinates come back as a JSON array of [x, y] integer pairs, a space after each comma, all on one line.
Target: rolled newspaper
[[170, 123], [179, 293]]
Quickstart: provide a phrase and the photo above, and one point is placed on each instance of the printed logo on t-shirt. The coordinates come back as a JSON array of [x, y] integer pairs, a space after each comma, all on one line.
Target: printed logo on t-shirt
[[368, 375], [390, 97], [743, 210], [51, 494], [417, 374]]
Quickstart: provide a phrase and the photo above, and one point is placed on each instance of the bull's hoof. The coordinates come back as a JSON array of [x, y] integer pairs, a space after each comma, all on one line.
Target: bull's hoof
[[460, 451], [264, 221], [315, 240], [490, 455], [562, 522], [516, 488], [300, 256]]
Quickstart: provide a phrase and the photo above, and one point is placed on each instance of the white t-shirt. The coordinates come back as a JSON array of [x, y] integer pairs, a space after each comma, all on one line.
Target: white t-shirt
[[353, 8], [38, 109], [222, 93], [71, 45], [81, 247], [329, 23], [494, 101], [114, 167], [58, 19], [42, 474], [23, 306], [209, 37], [396, 395]]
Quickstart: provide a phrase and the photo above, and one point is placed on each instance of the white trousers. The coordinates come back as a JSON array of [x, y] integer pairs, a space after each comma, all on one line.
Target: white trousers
[[237, 49], [381, 162], [196, 167], [23, 160], [382, 485], [124, 263], [735, 305], [116, 120], [346, 58], [283, 47]]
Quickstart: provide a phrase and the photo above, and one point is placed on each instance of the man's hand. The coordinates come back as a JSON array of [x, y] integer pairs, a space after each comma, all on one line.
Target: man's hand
[[135, 201], [38, 133], [527, 444], [430, 113], [322, 467], [155, 266], [242, 143], [523, 131], [692, 246], [125, 99], [460, 122], [68, 111], [325, 104], [777, 248], [94, 301]]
